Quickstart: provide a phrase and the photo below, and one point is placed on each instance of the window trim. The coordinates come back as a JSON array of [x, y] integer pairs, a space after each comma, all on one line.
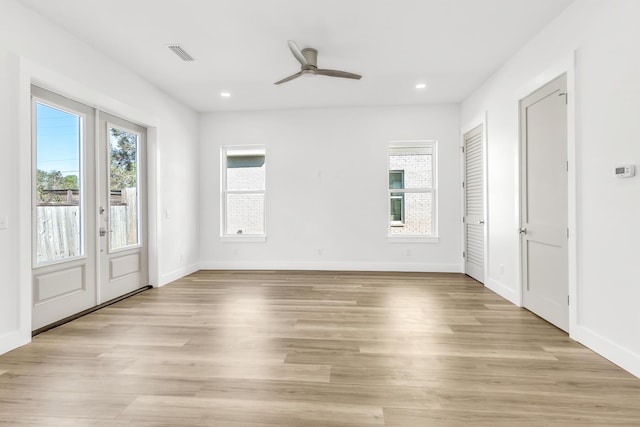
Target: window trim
[[224, 154], [407, 238]]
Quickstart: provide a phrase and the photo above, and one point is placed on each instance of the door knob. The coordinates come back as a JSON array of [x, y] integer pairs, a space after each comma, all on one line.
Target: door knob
[[523, 231], [481, 222]]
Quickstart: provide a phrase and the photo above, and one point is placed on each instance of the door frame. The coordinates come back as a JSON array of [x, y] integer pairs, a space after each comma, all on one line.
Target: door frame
[[566, 66], [481, 120], [25, 73]]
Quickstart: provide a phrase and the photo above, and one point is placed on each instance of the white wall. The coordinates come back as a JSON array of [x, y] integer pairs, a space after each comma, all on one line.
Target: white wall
[[327, 188], [33, 50], [605, 36]]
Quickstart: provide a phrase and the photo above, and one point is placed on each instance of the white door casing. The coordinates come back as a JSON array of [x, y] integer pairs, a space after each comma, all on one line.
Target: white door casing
[[544, 203]]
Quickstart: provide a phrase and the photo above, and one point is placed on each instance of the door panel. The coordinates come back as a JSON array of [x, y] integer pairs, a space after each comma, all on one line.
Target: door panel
[[545, 203], [63, 241], [123, 252], [474, 228], [59, 283]]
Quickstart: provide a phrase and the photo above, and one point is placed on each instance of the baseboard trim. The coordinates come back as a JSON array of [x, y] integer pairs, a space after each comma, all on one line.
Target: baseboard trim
[[332, 266], [502, 290], [178, 274], [12, 340], [615, 353]]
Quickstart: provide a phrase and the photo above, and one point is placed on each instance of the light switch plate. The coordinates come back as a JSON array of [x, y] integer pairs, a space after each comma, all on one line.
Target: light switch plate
[[4, 222]]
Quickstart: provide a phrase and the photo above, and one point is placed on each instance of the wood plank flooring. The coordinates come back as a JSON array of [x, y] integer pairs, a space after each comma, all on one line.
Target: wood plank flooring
[[324, 349]]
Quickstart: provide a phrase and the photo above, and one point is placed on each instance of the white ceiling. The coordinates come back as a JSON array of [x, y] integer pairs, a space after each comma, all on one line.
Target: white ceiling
[[240, 46]]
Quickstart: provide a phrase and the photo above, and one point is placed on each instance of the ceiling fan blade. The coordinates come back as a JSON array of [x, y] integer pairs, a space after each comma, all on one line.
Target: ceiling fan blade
[[286, 79], [297, 52], [336, 73]]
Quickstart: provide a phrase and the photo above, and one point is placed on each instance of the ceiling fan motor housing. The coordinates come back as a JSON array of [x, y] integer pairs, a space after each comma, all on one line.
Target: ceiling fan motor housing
[[311, 55]]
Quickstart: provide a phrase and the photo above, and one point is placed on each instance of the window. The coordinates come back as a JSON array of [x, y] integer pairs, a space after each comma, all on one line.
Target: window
[[58, 186], [124, 207], [243, 193], [396, 180], [412, 193]]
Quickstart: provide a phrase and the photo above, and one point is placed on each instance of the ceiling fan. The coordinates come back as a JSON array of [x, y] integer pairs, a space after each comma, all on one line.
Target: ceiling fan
[[308, 58]]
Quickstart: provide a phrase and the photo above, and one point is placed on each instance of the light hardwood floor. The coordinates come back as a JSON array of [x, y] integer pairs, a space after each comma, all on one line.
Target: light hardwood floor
[[313, 349]]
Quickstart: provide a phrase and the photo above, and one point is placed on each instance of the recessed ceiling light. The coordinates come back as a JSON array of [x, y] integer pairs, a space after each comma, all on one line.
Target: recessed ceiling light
[[421, 85], [225, 94]]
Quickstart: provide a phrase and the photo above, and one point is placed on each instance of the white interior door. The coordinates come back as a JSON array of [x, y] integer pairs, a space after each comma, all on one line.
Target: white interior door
[[544, 201], [63, 213], [123, 209], [474, 222]]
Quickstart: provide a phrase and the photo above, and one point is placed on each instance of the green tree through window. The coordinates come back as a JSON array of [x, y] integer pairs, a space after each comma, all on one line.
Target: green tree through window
[[123, 150]]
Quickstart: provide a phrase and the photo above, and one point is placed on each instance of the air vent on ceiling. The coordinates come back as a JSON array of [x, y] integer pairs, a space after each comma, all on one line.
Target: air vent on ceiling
[[178, 50]]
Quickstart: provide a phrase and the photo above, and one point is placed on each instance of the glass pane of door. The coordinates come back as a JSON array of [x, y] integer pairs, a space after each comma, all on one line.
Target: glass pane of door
[[124, 207], [58, 184]]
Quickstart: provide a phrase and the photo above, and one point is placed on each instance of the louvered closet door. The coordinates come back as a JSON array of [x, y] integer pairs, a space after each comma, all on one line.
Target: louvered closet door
[[474, 224]]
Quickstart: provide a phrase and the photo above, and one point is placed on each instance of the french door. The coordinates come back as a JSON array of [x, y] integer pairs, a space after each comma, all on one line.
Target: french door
[[88, 216]]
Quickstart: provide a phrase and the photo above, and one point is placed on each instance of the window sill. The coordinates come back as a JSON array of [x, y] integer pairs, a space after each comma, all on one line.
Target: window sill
[[413, 239], [243, 239]]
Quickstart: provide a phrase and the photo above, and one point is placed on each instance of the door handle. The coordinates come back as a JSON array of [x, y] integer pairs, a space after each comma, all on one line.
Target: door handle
[[103, 232], [481, 222], [523, 231]]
